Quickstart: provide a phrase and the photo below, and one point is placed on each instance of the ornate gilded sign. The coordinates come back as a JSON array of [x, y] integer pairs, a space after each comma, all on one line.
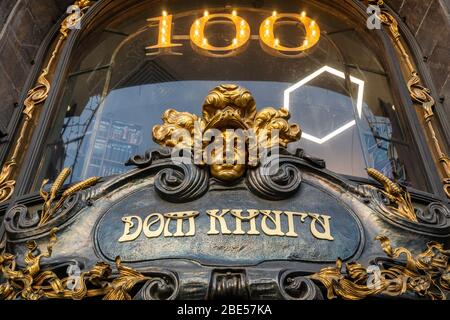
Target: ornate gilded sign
[[224, 208], [186, 223]]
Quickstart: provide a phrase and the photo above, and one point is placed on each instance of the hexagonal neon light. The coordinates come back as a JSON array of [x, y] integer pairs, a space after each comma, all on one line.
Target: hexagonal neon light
[[340, 74]]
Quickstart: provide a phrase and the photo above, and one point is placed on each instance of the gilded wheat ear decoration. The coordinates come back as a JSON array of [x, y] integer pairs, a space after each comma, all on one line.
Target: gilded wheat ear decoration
[[49, 208], [400, 199], [36, 97]]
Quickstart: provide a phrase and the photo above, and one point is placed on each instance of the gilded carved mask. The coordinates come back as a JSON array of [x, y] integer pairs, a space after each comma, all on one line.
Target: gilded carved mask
[[228, 131]]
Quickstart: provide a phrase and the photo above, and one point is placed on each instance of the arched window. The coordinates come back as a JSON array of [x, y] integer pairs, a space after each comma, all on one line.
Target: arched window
[[118, 83]]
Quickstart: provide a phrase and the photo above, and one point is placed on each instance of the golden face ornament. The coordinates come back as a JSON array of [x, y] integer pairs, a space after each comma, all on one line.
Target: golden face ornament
[[228, 113], [228, 166]]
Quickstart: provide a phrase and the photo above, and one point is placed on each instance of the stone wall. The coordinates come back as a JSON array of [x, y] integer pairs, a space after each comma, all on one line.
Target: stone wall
[[24, 24]]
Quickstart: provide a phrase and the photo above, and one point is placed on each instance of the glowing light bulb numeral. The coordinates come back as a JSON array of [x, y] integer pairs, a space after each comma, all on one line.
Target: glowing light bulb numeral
[[242, 36], [267, 36], [164, 33], [198, 38]]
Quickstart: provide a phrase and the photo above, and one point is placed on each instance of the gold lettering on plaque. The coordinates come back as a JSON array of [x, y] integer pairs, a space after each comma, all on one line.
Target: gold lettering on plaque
[[129, 224], [291, 227], [324, 223], [251, 218], [179, 219], [276, 221], [213, 215], [270, 222], [147, 224]]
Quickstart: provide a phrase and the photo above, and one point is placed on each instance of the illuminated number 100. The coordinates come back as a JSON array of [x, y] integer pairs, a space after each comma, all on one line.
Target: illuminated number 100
[[242, 36]]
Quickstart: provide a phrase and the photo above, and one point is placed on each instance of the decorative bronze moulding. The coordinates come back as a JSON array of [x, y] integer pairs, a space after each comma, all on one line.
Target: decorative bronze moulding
[[427, 275]]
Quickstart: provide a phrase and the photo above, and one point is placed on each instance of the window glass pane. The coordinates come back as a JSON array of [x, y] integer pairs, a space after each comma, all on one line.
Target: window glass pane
[[115, 93]]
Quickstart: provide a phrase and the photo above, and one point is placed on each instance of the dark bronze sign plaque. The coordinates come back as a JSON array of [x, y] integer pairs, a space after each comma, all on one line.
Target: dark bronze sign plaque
[[311, 227]]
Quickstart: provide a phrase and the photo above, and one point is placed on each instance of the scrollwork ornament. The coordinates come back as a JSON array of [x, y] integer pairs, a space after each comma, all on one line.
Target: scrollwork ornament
[[181, 182], [386, 18], [275, 179], [159, 288], [432, 220], [296, 287], [73, 19], [147, 159], [434, 214], [419, 93], [19, 218], [7, 186], [56, 210], [37, 95], [391, 22], [20, 222]]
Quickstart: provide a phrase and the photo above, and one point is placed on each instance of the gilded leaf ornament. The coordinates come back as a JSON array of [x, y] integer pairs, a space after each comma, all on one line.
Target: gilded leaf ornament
[[33, 283], [426, 274]]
